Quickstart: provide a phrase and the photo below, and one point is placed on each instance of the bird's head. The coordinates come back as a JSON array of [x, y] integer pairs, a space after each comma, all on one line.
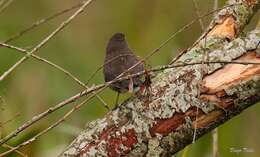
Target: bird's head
[[117, 42], [118, 37]]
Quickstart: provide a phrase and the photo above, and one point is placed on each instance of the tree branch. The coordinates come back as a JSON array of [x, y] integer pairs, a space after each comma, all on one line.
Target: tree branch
[[162, 122]]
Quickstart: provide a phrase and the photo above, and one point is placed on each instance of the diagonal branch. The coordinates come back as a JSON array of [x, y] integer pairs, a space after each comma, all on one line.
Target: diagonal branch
[[162, 123]]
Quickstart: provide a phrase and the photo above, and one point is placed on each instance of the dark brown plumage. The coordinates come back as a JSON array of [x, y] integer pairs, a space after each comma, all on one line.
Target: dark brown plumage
[[118, 59]]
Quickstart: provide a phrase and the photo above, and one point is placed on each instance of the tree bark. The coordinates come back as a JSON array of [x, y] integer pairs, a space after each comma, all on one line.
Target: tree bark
[[182, 99]]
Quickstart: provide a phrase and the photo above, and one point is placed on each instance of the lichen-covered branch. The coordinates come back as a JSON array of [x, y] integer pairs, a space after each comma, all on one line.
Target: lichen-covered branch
[[162, 122]]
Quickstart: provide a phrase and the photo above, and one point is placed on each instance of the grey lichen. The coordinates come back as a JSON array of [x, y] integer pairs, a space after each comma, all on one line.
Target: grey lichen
[[91, 134], [181, 136], [139, 151], [245, 89], [154, 149], [253, 40]]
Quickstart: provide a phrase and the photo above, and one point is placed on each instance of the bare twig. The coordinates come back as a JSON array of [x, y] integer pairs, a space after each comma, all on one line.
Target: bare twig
[[214, 133], [101, 67], [202, 67], [5, 5], [2, 2], [215, 4], [70, 75], [214, 142], [45, 130], [195, 126], [42, 21], [10, 120], [18, 152], [42, 43], [198, 14]]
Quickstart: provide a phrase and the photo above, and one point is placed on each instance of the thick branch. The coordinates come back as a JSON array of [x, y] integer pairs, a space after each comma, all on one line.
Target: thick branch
[[162, 122]]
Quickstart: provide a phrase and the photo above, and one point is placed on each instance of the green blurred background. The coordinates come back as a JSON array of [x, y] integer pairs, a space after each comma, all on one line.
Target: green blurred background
[[79, 48]]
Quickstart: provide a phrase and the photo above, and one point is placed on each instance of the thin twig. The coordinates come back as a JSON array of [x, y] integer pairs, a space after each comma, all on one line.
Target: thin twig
[[215, 4], [202, 67], [10, 120], [18, 152], [5, 5], [2, 2], [198, 14], [42, 43], [214, 133], [41, 21], [70, 75], [101, 67], [45, 130], [215, 142]]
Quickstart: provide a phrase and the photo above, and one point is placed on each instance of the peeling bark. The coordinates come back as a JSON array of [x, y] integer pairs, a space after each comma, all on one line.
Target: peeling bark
[[164, 123]]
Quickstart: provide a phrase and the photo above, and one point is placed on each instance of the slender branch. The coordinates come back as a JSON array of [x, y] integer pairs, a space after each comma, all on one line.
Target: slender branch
[[2, 2], [70, 75], [202, 67], [198, 14], [9, 120], [40, 22], [215, 6], [45, 130], [6, 5], [18, 152], [101, 67], [215, 152], [215, 142], [42, 43]]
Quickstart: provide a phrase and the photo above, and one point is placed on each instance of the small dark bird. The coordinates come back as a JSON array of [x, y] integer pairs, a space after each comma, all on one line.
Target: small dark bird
[[119, 57]]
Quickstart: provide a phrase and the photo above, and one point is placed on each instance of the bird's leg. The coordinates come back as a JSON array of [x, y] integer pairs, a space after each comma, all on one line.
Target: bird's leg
[[117, 98], [131, 85], [147, 83]]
